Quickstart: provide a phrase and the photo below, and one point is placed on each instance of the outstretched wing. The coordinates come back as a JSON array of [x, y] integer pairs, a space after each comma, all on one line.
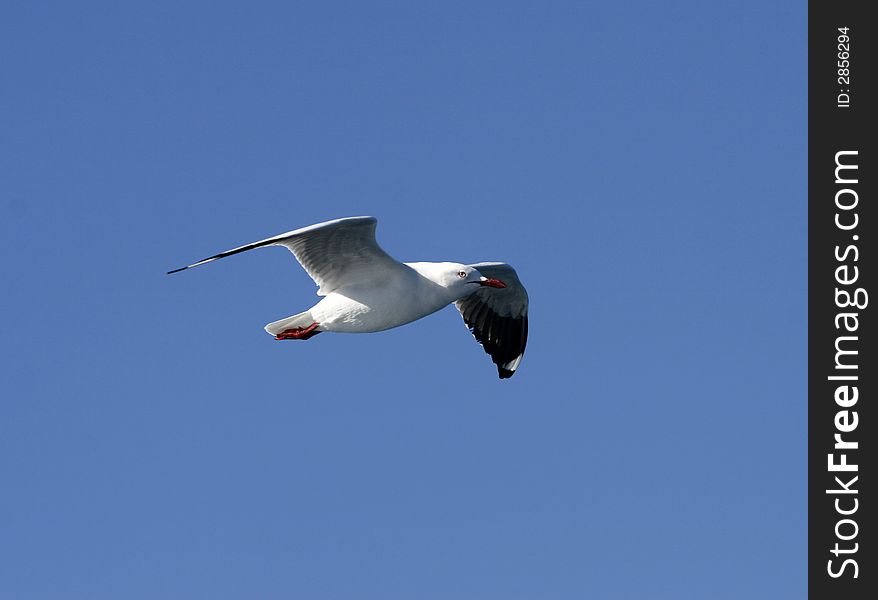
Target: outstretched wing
[[334, 253], [497, 317]]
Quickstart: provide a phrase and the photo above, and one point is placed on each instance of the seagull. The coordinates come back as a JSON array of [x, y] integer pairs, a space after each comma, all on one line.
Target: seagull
[[365, 290]]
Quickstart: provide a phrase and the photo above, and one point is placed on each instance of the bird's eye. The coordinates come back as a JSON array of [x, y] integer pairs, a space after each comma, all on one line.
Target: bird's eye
[[461, 274]]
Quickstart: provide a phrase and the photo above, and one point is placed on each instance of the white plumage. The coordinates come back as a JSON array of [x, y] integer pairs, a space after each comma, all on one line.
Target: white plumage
[[364, 289]]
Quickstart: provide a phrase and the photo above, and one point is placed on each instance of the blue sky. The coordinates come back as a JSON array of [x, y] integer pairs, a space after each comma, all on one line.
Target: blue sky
[[642, 165]]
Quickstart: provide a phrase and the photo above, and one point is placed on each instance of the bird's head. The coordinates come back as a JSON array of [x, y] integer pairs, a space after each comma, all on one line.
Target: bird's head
[[464, 280]]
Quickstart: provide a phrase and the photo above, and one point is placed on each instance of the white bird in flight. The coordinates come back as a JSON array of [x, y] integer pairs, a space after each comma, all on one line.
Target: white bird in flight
[[367, 290]]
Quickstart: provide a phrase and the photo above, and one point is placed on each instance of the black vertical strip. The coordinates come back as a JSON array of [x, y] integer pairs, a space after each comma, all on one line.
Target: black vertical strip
[[843, 299]]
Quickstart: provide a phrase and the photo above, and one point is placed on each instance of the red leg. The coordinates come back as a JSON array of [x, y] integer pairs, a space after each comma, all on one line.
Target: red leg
[[298, 333]]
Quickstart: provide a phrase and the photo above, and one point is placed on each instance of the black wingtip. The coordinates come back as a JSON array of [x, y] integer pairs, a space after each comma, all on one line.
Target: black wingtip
[[505, 373], [176, 270]]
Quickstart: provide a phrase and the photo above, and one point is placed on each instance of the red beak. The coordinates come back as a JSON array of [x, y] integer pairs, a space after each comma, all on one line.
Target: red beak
[[494, 283]]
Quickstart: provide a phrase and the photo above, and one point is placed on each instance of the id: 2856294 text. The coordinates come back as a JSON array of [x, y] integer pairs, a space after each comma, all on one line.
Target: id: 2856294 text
[[843, 100]]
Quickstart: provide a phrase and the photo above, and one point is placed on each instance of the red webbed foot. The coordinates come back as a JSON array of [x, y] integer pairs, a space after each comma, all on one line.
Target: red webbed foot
[[298, 333]]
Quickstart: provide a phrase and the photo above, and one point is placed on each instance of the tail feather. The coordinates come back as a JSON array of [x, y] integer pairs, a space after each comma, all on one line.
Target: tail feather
[[303, 319]]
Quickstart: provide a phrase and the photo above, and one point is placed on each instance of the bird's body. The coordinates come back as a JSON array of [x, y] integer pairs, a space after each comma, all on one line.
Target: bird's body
[[365, 290], [367, 308]]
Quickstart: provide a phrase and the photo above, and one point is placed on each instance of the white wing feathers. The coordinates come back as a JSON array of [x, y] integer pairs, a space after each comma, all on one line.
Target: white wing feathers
[[334, 253]]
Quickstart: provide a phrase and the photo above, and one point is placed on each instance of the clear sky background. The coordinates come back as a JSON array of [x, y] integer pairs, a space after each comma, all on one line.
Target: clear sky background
[[642, 165]]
